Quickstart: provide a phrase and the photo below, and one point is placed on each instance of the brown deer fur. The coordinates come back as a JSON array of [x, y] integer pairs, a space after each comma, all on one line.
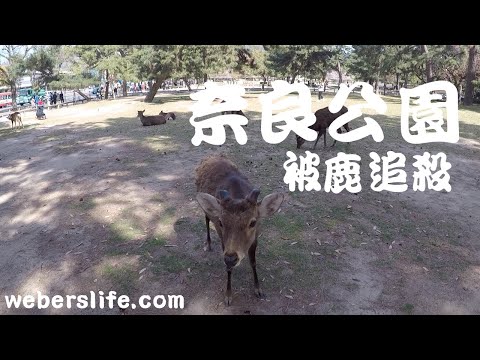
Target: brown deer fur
[[151, 120], [323, 120], [230, 201], [15, 118], [168, 115]]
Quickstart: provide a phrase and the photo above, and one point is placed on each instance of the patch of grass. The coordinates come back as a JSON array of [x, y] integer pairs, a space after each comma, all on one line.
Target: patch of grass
[[408, 309], [124, 231], [330, 223], [190, 225], [289, 226], [339, 213], [167, 99], [169, 212], [49, 138], [408, 229], [385, 231], [171, 263], [84, 205], [282, 250], [156, 241], [8, 132], [122, 278]]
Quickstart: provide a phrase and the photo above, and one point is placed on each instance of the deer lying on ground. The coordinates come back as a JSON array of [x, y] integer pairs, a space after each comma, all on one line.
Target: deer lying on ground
[[324, 119], [14, 118], [230, 201], [168, 115], [151, 120]]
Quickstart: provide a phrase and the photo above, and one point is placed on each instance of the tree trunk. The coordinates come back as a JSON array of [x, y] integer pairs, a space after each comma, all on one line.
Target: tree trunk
[[187, 83], [13, 90], [397, 84], [376, 83], [293, 79], [205, 78], [428, 64], [470, 76], [124, 87], [153, 90], [406, 81], [339, 70], [106, 84], [459, 87]]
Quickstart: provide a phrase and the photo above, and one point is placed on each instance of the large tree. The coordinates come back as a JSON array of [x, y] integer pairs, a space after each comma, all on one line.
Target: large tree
[[13, 68], [45, 63], [155, 63], [292, 61], [368, 63], [470, 75], [256, 64], [99, 57], [124, 66], [202, 61]]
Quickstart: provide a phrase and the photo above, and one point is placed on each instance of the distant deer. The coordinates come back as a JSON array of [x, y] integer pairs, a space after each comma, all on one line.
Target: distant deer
[[236, 112], [323, 120], [230, 201], [168, 115], [151, 120], [14, 118]]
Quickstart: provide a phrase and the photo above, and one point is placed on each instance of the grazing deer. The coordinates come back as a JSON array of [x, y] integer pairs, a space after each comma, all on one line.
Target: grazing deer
[[14, 118], [151, 120], [324, 119], [230, 201]]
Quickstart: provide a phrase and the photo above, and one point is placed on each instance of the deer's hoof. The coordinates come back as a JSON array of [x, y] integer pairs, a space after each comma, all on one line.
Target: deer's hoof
[[228, 300], [259, 294], [207, 247]]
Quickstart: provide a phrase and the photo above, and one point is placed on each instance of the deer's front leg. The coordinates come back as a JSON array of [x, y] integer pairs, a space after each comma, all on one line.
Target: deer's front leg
[[228, 295], [253, 264]]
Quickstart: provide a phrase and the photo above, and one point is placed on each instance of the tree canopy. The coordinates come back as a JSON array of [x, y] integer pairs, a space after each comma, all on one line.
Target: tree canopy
[[82, 65]]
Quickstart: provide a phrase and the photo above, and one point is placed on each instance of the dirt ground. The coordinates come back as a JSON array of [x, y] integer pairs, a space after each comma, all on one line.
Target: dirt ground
[[90, 200]]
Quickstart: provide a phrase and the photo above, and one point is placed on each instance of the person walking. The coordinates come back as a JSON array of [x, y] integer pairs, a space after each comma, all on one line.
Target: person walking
[[62, 100]]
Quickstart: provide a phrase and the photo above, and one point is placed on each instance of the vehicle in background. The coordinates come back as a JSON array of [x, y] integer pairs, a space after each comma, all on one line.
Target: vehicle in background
[[24, 96], [5, 99]]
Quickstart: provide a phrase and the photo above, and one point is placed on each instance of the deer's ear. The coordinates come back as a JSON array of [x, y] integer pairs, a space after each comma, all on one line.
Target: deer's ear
[[270, 204], [210, 205]]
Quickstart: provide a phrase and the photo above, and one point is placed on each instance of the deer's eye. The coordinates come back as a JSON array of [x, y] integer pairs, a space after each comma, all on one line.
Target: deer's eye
[[253, 223]]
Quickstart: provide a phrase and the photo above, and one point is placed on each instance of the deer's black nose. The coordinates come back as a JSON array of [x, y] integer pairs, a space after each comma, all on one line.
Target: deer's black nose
[[231, 260]]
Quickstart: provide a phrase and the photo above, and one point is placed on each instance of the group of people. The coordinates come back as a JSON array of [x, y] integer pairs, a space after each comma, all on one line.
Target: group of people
[[37, 101], [53, 98], [99, 91], [139, 87]]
